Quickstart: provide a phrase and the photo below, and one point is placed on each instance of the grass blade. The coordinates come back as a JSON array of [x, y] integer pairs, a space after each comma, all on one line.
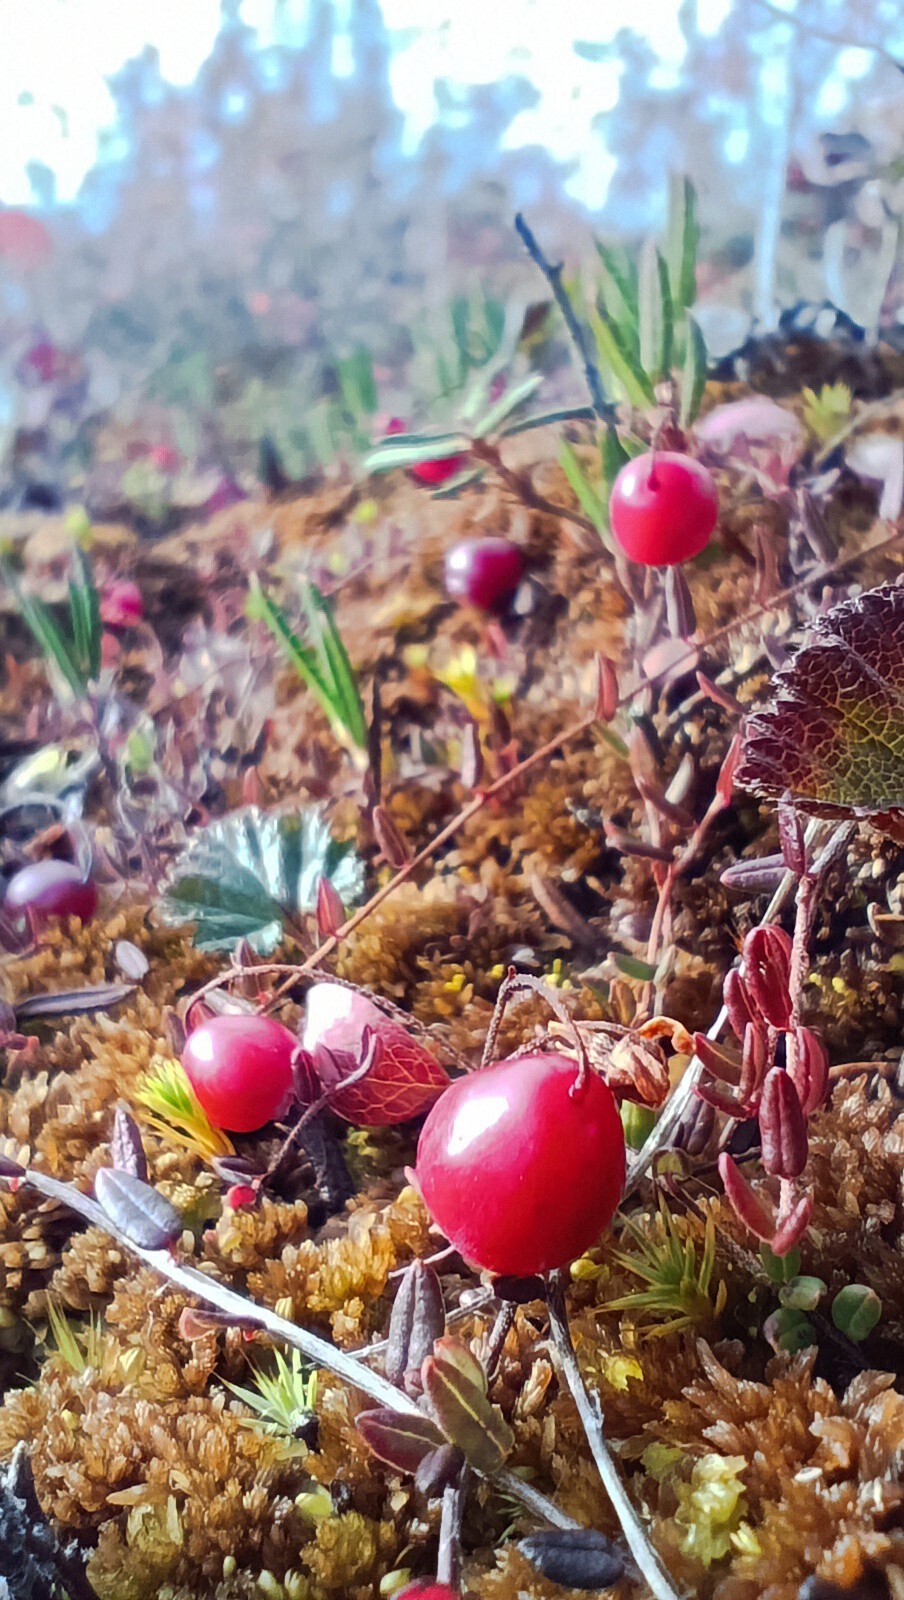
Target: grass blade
[[683, 238], [694, 371]]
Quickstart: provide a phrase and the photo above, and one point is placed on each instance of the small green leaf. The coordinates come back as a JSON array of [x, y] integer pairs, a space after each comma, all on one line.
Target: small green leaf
[[780, 1269], [683, 239], [42, 625], [322, 663], [655, 314], [789, 1330], [633, 967], [618, 291], [856, 1311], [455, 1388], [694, 371], [84, 609], [508, 403], [613, 455], [802, 1293], [590, 501], [626, 369]]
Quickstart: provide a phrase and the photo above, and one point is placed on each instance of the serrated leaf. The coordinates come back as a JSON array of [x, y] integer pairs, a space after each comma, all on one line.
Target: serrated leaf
[[455, 1388], [242, 875], [655, 315], [832, 735], [626, 370], [694, 371], [401, 1440], [683, 240], [141, 1213]]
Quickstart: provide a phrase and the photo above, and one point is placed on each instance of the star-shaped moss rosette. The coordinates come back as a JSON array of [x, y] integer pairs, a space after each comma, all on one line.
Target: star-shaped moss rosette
[[832, 735]]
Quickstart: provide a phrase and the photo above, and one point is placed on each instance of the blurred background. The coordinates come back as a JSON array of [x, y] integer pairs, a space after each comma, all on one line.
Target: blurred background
[[218, 215]]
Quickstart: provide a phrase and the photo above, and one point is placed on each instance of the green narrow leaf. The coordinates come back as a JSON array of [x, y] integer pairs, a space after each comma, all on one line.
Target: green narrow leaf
[[460, 316], [694, 372], [336, 668], [655, 314], [591, 503], [406, 450], [613, 455], [619, 291], [263, 609], [508, 403], [626, 369], [47, 635], [682, 242], [84, 605]]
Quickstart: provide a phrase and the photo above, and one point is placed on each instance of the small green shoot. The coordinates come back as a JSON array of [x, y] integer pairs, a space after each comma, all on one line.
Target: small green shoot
[[321, 659], [679, 1287], [283, 1401], [74, 657]]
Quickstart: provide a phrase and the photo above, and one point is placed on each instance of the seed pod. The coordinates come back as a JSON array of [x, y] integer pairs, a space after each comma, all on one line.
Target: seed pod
[[761, 876], [330, 910], [767, 971], [393, 845], [577, 1558], [418, 1319], [782, 1126], [808, 1067], [737, 1001]]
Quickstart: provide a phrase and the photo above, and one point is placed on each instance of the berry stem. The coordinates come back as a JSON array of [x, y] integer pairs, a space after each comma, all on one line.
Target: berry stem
[[591, 1416]]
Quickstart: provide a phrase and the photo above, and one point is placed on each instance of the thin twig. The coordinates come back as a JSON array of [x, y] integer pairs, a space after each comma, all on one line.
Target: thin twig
[[244, 1311], [448, 1557], [522, 488], [803, 25], [580, 338], [591, 1417]]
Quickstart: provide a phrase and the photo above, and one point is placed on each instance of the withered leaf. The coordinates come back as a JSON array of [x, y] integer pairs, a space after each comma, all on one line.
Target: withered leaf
[[141, 1213], [418, 1319], [126, 1147], [578, 1558], [832, 737], [74, 1002], [455, 1387], [401, 1440]]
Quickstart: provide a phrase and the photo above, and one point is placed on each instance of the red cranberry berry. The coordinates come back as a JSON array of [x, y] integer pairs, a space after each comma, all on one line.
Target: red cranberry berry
[[522, 1165], [51, 889], [485, 572], [663, 508], [121, 605], [435, 472], [423, 1589], [240, 1067]]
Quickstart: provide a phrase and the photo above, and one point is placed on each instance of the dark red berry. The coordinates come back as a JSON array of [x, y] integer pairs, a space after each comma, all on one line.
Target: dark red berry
[[485, 572], [423, 1589], [522, 1166], [121, 605], [663, 508], [240, 1067], [51, 889]]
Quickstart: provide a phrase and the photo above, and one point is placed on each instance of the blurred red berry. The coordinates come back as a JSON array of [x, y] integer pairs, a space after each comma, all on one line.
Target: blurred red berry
[[485, 572], [121, 605], [51, 888]]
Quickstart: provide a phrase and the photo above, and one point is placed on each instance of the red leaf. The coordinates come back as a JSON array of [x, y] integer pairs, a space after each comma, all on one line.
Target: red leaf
[[832, 736], [398, 1438], [406, 1078]]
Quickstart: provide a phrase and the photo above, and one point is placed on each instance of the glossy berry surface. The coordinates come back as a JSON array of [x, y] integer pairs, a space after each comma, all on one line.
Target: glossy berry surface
[[485, 572], [240, 1067], [520, 1167], [405, 1079], [663, 508], [425, 1590], [51, 889]]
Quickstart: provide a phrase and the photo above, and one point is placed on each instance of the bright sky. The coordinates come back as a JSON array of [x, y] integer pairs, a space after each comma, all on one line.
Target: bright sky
[[57, 55]]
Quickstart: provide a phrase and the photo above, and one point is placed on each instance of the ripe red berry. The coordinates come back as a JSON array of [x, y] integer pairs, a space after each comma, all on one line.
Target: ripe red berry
[[423, 1589], [240, 1067], [121, 605], [521, 1166], [663, 508], [485, 572], [51, 889]]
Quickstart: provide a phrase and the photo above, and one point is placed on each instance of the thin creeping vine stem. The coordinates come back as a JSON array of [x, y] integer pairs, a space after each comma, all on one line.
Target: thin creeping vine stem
[[247, 1312], [591, 1416], [580, 338]]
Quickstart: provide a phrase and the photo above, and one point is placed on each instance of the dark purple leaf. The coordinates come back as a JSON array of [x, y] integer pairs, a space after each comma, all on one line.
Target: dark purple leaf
[[577, 1558], [143, 1215], [74, 1002], [401, 1440], [418, 1319], [126, 1147]]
